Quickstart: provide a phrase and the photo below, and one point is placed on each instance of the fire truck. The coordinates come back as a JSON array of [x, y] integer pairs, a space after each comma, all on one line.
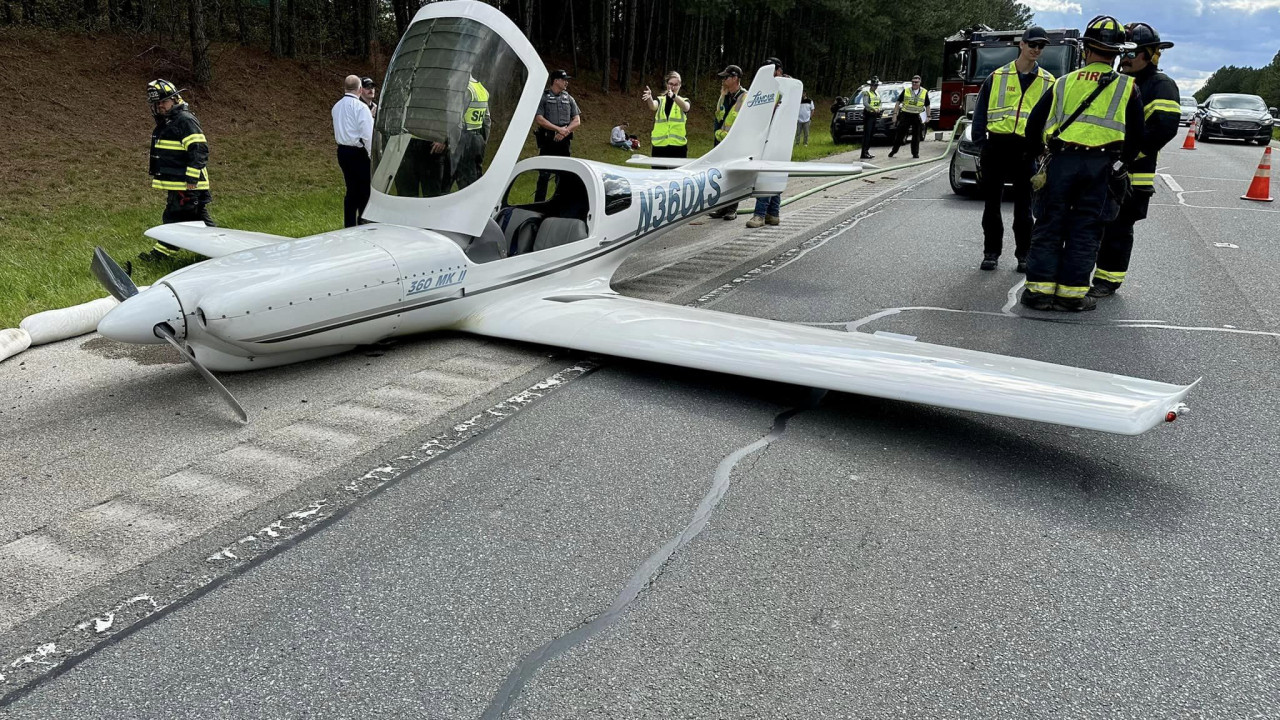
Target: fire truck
[[973, 54]]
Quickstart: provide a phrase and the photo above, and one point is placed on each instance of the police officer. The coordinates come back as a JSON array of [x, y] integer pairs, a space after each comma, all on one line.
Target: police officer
[[913, 101], [727, 108], [1162, 110], [1092, 123], [475, 134], [871, 111], [1000, 129], [179, 160], [558, 116], [670, 115]]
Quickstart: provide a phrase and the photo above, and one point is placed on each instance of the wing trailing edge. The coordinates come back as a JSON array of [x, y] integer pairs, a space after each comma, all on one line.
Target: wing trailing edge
[[211, 241], [880, 366]]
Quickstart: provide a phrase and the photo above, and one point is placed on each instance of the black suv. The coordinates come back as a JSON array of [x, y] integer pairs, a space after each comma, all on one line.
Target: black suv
[[846, 123], [1230, 115]]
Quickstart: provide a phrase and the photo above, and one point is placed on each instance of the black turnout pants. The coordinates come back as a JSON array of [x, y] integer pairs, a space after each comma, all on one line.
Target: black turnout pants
[[188, 205], [671, 151], [354, 162], [908, 122], [1004, 160], [547, 145], [1070, 216], [1117, 241]]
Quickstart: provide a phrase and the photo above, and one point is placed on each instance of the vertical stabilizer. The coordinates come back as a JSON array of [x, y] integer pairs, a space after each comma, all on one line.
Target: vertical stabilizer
[[781, 137], [747, 137]]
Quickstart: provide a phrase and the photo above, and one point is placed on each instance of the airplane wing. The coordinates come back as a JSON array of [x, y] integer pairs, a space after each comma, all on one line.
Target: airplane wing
[[795, 169], [211, 241], [880, 366]]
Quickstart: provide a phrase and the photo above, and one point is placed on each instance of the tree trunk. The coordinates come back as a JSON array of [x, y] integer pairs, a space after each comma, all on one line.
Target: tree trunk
[[291, 28], [573, 38], [594, 55], [648, 38], [200, 68], [277, 46], [625, 81], [371, 29], [606, 28], [401, 10], [242, 26], [528, 19]]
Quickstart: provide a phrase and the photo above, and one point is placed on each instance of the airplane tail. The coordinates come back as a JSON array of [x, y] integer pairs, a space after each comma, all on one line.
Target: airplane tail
[[750, 131]]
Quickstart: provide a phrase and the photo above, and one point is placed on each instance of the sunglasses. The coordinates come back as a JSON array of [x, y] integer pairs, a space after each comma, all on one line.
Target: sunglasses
[[1037, 45]]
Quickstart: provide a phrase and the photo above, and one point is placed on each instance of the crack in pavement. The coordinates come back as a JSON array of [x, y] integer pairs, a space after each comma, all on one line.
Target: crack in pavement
[[646, 574]]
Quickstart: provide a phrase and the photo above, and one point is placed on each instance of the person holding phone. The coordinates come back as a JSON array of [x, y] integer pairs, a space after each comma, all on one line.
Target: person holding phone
[[670, 114]]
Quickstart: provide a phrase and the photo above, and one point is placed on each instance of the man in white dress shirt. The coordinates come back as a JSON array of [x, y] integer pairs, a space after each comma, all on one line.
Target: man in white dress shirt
[[353, 131]]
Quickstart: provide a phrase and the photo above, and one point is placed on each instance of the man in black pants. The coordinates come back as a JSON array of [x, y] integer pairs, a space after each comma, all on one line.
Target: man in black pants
[[1000, 129], [557, 118], [906, 115], [871, 110], [353, 131]]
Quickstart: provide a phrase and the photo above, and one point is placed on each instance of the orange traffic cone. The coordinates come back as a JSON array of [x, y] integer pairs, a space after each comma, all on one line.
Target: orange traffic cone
[[1190, 142], [1260, 188]]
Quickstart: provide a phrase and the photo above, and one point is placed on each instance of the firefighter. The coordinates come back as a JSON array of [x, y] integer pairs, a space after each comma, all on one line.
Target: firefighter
[[727, 108], [870, 116], [1162, 111], [179, 159], [1000, 129], [1092, 124]]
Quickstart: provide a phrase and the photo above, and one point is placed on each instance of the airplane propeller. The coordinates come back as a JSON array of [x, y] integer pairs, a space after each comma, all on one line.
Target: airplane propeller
[[120, 285]]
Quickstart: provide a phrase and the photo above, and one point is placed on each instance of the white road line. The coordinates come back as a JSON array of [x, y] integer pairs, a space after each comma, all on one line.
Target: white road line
[[1173, 184]]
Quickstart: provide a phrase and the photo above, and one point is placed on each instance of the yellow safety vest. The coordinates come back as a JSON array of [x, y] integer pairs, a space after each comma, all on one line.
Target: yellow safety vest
[[1102, 123], [873, 101], [1007, 106], [913, 102], [669, 131], [724, 120], [478, 107]]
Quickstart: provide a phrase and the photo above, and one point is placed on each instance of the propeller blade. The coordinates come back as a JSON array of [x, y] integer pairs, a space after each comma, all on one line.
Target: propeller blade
[[112, 276], [163, 330]]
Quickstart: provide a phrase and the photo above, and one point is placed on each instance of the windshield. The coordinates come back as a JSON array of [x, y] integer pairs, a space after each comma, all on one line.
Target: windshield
[[1238, 102], [1056, 59], [452, 86], [1189, 102]]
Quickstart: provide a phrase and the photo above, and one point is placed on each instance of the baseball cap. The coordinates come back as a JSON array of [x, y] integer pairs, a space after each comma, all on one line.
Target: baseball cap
[[731, 71], [560, 75], [774, 62], [367, 82], [1035, 33]]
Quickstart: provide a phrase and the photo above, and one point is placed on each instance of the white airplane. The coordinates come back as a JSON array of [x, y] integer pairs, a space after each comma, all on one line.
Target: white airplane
[[489, 259]]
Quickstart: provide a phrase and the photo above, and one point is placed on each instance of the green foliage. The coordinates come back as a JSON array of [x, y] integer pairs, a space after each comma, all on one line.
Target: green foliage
[[1264, 82]]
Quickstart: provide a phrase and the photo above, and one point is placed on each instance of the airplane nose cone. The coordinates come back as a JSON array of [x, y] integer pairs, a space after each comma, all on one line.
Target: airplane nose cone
[[134, 320]]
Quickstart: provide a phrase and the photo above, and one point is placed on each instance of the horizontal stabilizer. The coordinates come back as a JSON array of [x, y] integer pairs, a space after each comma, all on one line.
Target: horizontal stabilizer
[[795, 169], [657, 162], [854, 362], [211, 241]]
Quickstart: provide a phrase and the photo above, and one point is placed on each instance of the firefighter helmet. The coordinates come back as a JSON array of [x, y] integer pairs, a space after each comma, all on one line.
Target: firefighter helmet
[[1106, 33], [159, 90], [1144, 36]]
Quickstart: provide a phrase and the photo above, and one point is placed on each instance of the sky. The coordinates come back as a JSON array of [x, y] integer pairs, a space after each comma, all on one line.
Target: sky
[[1208, 33]]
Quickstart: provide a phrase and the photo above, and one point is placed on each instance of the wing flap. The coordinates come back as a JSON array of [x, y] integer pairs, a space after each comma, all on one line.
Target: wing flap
[[887, 367], [658, 162], [211, 241], [795, 169]]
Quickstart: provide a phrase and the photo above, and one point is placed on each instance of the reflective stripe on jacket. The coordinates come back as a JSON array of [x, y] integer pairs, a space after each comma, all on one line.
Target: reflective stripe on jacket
[[913, 102], [179, 153], [477, 107], [1103, 122], [669, 131], [724, 118], [1007, 106]]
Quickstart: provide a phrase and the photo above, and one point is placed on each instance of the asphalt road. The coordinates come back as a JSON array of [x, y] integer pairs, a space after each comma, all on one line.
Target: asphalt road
[[866, 558]]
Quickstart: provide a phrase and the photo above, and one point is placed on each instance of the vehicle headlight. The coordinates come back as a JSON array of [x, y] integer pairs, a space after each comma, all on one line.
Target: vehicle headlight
[[969, 147], [842, 116]]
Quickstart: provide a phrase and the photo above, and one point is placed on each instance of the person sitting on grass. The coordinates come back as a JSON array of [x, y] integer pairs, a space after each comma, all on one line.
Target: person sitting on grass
[[621, 140]]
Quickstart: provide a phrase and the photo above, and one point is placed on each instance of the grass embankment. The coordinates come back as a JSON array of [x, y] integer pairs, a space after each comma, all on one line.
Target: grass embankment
[[76, 176]]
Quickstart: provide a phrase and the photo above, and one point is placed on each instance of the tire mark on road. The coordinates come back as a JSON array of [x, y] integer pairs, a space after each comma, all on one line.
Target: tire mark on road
[[646, 574]]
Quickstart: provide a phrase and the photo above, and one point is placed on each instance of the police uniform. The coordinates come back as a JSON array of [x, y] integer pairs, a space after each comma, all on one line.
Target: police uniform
[[871, 110], [1000, 128], [914, 102], [179, 158], [1076, 201], [559, 109], [1162, 111]]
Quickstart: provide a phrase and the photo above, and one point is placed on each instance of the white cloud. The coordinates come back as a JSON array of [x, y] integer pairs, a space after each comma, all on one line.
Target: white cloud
[[1063, 6], [1249, 6], [1189, 80]]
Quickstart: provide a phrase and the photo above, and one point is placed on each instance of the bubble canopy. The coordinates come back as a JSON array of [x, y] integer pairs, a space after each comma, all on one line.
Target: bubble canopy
[[459, 81]]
